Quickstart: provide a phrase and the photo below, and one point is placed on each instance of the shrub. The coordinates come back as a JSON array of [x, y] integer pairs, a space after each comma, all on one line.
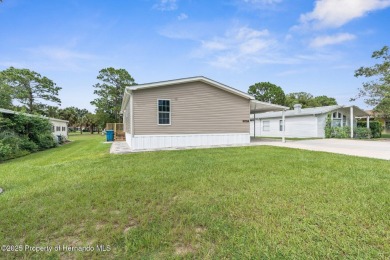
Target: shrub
[[375, 127], [46, 141], [340, 132], [28, 145], [21, 134], [328, 127], [5, 151], [363, 133]]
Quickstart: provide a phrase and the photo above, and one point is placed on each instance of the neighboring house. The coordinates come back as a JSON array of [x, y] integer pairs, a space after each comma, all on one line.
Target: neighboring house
[[379, 117], [59, 126], [187, 112], [305, 122]]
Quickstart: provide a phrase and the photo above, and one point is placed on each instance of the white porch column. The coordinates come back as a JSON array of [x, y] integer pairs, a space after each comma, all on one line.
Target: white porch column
[[254, 125], [283, 122], [368, 122], [352, 117]]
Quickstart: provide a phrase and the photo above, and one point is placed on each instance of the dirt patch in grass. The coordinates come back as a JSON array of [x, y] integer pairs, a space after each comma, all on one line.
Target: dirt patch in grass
[[133, 223], [182, 250]]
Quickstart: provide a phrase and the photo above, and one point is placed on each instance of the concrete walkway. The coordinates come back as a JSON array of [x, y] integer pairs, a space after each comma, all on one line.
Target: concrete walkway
[[363, 148], [120, 147], [371, 149]]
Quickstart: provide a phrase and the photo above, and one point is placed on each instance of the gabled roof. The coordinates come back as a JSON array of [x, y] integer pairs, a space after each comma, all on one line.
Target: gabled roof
[[255, 106], [7, 111], [311, 111], [189, 80]]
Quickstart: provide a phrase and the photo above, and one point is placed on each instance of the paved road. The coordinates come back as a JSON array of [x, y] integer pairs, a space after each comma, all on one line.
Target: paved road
[[371, 149]]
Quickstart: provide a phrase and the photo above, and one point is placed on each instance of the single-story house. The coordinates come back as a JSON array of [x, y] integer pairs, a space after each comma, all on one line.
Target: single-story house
[[385, 121], [59, 126], [304, 122], [187, 112]]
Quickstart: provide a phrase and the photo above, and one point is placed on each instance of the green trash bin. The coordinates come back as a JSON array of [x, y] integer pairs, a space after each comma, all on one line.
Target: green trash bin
[[110, 135]]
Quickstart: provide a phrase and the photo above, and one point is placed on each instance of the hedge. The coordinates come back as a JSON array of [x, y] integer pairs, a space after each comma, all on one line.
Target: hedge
[[21, 134]]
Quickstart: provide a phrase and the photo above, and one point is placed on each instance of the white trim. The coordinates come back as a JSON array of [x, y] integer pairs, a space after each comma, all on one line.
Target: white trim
[[170, 112], [352, 120], [148, 142], [131, 115]]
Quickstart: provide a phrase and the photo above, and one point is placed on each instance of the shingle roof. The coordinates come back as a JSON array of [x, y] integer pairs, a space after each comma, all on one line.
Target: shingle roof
[[305, 111], [192, 79], [7, 111]]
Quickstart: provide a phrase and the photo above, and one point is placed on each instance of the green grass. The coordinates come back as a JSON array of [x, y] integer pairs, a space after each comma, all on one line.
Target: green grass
[[243, 202], [385, 135]]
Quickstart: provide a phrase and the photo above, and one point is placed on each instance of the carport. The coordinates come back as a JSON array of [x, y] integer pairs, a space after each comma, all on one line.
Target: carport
[[261, 107]]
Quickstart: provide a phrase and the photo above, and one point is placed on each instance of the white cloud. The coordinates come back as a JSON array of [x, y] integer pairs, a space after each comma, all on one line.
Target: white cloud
[[59, 58], [335, 13], [322, 41], [262, 1], [60, 54], [166, 5], [182, 16], [238, 45]]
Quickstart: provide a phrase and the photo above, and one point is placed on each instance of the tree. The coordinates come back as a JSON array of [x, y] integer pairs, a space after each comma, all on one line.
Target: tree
[[81, 118], [303, 98], [69, 114], [5, 96], [91, 121], [110, 92], [376, 91], [321, 101], [267, 92], [30, 88]]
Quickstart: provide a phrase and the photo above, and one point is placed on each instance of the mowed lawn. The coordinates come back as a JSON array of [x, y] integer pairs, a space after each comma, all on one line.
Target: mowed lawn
[[244, 202]]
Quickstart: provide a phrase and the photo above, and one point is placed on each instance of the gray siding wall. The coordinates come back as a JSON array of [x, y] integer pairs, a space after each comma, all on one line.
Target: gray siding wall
[[196, 108]]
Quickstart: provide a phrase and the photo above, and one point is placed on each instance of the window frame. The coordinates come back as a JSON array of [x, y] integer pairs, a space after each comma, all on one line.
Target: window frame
[[281, 125], [169, 112], [269, 126]]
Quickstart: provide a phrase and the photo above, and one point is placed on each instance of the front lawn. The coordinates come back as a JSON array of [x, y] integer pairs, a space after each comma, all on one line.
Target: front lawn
[[244, 202]]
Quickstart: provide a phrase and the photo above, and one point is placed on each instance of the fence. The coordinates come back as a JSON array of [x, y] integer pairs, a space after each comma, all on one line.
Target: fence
[[119, 133]]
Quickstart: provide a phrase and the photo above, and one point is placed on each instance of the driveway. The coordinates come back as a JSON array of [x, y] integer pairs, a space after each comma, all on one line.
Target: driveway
[[372, 149]]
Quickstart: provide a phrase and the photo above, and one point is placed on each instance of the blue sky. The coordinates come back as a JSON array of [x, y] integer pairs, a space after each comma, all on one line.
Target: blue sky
[[301, 45]]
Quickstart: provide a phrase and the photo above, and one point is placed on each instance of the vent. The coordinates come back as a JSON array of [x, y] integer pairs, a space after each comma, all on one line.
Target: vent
[[297, 108]]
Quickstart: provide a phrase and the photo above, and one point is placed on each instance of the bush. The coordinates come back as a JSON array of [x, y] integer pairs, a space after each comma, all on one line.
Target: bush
[[10, 146], [21, 134], [328, 127], [340, 132], [28, 145], [46, 141], [363, 133], [375, 127]]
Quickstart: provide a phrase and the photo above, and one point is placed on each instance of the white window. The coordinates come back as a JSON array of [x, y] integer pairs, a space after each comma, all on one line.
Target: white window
[[281, 125], [164, 111], [337, 119], [265, 125]]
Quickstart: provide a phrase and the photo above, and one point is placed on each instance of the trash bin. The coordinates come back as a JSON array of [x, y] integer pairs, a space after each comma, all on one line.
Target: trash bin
[[110, 135]]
